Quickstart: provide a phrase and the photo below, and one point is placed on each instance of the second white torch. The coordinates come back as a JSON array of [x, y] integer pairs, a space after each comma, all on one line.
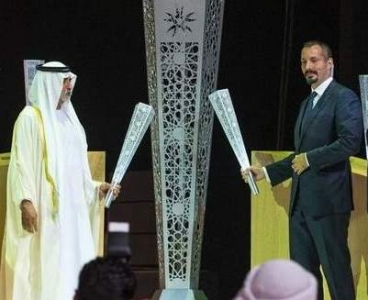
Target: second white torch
[[221, 103]]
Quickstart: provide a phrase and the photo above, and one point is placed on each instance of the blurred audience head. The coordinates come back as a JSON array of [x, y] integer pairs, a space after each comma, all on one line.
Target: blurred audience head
[[278, 279], [106, 278]]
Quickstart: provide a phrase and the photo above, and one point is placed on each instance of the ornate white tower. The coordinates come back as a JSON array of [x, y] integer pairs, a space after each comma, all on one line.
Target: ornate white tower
[[182, 47]]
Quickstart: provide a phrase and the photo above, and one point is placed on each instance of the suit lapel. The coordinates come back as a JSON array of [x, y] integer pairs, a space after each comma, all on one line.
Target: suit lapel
[[298, 124]]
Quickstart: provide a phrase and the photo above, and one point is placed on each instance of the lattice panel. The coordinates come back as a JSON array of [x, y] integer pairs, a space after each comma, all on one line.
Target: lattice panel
[[149, 33], [211, 53], [179, 73]]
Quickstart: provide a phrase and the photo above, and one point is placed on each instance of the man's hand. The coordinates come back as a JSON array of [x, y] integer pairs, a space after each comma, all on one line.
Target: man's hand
[[299, 163], [105, 187], [257, 173], [29, 216]]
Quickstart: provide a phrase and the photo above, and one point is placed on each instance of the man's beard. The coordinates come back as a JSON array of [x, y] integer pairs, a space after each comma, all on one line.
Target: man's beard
[[310, 80], [65, 96]]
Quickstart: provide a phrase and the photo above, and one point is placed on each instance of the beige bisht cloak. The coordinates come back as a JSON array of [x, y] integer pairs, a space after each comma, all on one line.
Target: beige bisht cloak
[[33, 266]]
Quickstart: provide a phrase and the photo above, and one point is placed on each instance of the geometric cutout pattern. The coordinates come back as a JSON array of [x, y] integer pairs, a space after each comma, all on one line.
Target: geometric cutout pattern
[[179, 79]]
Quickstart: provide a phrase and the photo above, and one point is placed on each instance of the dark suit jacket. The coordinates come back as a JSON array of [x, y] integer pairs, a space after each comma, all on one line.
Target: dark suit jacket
[[329, 136]]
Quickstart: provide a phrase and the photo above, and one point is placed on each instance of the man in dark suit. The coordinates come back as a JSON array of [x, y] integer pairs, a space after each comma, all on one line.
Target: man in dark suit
[[328, 130]]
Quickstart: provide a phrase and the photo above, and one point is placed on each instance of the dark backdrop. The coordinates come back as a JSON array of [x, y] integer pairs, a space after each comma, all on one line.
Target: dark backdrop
[[103, 41]]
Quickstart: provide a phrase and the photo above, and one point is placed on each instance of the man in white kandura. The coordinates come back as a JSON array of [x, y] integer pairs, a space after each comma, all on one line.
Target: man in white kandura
[[52, 217]]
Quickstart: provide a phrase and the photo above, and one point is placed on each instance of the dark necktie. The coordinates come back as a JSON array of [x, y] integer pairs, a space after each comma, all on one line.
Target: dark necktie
[[310, 100], [308, 108]]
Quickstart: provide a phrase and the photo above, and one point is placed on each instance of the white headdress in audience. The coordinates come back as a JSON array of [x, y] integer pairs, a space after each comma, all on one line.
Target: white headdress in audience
[[278, 279]]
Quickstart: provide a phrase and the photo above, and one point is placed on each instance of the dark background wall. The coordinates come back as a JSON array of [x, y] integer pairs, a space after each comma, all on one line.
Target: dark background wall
[[103, 41]]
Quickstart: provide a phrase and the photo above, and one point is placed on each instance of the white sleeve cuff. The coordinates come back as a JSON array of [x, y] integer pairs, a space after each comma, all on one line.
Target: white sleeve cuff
[[266, 174], [306, 159]]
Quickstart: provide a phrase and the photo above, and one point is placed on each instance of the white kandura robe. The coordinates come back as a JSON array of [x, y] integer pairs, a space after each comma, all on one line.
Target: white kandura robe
[[45, 265]]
